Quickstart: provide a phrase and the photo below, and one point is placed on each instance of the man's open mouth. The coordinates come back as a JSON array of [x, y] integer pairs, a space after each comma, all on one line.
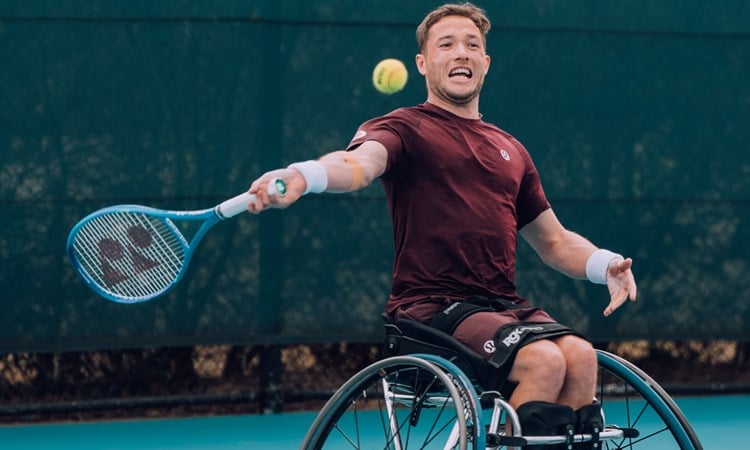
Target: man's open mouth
[[460, 72]]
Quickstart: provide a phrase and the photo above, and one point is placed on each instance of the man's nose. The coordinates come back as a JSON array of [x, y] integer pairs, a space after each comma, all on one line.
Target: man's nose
[[461, 52]]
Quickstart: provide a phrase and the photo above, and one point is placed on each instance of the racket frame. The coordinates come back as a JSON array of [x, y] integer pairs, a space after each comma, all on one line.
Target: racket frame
[[167, 217], [225, 210]]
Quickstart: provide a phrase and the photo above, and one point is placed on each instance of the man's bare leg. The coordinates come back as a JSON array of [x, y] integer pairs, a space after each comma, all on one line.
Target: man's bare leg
[[579, 386], [540, 371]]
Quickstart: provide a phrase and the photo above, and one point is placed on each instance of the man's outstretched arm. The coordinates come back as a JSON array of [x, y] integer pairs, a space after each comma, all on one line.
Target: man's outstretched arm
[[338, 171], [575, 256]]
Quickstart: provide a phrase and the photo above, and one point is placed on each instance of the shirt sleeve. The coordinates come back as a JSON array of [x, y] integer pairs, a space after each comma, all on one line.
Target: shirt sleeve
[[389, 130], [531, 200]]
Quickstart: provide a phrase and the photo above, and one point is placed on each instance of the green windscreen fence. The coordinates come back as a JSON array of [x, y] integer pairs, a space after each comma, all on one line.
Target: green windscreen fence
[[636, 113]]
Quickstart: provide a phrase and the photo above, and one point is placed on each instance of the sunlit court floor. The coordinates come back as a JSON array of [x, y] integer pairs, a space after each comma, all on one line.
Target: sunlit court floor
[[721, 422]]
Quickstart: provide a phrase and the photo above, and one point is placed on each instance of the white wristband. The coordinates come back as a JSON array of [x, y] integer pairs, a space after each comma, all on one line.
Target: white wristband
[[597, 264], [314, 174]]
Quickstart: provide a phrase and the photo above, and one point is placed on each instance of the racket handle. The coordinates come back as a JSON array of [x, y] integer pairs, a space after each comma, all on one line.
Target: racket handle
[[238, 205], [235, 205]]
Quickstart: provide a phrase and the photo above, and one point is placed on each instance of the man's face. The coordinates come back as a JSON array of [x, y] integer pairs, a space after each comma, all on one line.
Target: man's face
[[454, 61]]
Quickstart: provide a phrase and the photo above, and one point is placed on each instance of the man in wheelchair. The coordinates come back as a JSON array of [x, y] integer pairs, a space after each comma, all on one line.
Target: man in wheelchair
[[459, 191]]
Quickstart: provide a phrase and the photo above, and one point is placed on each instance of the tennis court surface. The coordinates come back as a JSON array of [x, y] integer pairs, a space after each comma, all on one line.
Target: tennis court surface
[[720, 422]]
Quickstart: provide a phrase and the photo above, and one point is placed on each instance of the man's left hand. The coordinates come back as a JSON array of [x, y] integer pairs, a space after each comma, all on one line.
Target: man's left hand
[[621, 284]]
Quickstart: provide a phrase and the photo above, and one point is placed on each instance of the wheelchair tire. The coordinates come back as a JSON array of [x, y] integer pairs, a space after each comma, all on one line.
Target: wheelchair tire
[[430, 406], [632, 399]]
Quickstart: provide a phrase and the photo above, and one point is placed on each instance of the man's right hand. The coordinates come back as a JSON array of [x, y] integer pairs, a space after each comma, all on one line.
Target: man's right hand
[[295, 187]]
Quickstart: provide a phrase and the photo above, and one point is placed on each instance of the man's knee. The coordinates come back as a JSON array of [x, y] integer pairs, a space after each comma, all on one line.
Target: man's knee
[[543, 357], [577, 352]]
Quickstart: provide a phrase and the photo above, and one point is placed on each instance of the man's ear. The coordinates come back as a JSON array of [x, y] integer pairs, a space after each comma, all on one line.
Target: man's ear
[[419, 59]]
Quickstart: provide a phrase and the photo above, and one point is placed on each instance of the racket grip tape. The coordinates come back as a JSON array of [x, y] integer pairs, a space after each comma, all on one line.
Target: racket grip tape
[[238, 205]]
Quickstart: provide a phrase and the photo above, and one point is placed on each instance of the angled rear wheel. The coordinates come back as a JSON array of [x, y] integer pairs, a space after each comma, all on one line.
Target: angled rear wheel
[[400, 403], [632, 399]]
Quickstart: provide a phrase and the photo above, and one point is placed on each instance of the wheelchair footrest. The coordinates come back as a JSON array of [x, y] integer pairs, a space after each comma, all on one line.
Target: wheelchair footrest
[[498, 440], [628, 433]]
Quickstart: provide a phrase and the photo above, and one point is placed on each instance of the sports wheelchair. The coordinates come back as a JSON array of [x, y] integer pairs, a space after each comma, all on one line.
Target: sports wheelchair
[[431, 391]]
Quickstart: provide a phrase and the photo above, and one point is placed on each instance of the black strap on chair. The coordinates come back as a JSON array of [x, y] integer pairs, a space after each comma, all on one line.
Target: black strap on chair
[[510, 338], [451, 317]]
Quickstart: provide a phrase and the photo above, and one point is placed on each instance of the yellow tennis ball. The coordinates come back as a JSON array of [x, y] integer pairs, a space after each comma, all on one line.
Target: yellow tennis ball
[[389, 76]]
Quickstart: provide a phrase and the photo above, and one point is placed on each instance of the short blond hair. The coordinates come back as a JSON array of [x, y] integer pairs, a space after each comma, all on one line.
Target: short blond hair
[[472, 12]]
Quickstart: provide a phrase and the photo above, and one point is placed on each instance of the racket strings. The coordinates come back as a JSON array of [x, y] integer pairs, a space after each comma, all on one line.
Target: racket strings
[[130, 254]]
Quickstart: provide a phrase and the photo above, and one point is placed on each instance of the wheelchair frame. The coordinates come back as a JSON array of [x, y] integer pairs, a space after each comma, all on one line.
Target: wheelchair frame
[[430, 393]]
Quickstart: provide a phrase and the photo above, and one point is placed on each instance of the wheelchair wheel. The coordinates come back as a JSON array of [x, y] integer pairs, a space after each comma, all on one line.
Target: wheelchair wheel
[[400, 403], [631, 399]]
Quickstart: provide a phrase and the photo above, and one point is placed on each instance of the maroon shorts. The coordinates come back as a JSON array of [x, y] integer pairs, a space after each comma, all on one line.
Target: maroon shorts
[[478, 330]]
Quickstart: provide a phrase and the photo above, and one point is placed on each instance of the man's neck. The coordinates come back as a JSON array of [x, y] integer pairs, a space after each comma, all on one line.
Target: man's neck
[[467, 111]]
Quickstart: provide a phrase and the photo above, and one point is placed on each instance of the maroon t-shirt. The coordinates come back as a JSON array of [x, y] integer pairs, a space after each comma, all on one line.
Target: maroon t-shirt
[[458, 189]]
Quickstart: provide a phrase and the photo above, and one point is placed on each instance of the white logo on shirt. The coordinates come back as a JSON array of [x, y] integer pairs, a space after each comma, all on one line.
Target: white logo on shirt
[[505, 155]]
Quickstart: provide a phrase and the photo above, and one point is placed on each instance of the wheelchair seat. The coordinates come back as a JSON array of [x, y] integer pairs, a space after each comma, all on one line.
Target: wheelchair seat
[[404, 337]]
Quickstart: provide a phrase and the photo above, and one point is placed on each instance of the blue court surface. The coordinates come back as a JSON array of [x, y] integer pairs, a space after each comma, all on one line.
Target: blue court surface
[[721, 422]]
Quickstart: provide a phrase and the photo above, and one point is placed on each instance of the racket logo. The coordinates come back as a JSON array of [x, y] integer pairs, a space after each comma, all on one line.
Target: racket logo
[[127, 255], [111, 251]]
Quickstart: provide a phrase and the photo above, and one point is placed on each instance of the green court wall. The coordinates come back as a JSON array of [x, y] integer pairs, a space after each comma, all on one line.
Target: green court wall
[[637, 114]]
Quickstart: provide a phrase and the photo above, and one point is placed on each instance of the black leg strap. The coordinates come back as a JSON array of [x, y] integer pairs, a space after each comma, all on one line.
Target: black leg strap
[[512, 337], [451, 317]]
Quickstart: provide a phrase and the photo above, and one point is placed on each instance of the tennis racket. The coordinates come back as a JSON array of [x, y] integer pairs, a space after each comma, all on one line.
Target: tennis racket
[[132, 253]]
